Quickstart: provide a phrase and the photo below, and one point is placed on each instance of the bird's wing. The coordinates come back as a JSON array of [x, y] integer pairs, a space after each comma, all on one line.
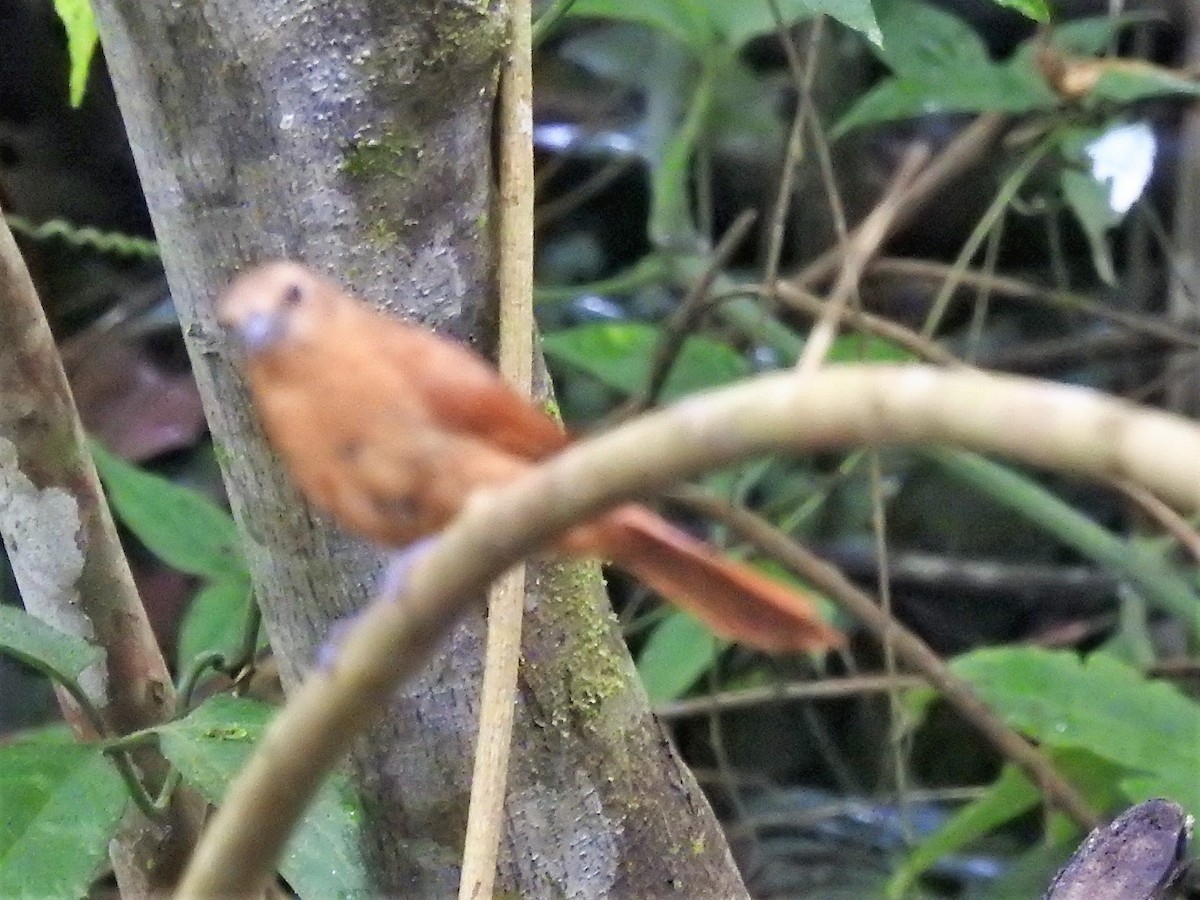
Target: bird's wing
[[465, 394]]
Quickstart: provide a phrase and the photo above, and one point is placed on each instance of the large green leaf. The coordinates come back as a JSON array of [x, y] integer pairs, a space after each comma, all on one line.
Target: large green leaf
[[941, 65], [619, 356], [1098, 705], [924, 43], [1124, 84], [181, 527], [44, 648], [212, 744], [323, 859], [60, 804], [679, 650]]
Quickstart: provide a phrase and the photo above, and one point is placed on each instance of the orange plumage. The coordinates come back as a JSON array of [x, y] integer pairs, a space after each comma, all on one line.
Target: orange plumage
[[389, 428]]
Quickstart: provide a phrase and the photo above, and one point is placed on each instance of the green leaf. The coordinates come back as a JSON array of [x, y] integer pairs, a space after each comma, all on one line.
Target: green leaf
[[941, 65], [1087, 37], [867, 348], [737, 21], [1034, 9], [44, 648], [677, 653], [212, 744], [993, 89], [181, 527], [1099, 705], [323, 859], [923, 43], [1088, 200], [61, 803], [80, 23], [685, 20], [1009, 796], [214, 619], [618, 355], [1124, 84]]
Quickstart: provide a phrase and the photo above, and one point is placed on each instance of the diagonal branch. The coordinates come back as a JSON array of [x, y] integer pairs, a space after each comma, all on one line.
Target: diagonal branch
[[1066, 428]]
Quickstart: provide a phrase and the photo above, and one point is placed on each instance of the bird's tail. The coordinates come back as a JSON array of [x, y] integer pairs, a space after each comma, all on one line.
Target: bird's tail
[[734, 600]]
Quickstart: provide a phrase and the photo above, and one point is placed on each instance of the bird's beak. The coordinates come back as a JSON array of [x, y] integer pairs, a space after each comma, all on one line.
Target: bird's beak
[[261, 330]]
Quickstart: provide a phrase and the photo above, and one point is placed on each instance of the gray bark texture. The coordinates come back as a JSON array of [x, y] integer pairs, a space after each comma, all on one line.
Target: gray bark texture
[[356, 136]]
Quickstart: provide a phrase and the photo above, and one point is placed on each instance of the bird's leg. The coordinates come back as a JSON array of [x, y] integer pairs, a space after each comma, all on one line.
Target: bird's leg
[[395, 576], [391, 586], [327, 652]]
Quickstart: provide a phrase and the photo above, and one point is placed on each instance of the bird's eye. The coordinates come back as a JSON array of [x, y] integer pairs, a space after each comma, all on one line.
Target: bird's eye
[[292, 295]]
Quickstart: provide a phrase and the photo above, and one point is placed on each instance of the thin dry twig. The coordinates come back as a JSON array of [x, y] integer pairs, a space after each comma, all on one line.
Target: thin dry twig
[[860, 247], [824, 689], [810, 304], [1170, 521], [908, 647], [675, 330], [803, 77], [506, 600], [1016, 288], [550, 212], [958, 156]]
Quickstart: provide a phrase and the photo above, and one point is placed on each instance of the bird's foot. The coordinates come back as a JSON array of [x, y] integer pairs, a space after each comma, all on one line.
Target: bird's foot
[[391, 585], [395, 576]]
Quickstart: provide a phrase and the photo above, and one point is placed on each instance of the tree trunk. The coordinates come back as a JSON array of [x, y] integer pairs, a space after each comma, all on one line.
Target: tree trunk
[[355, 135]]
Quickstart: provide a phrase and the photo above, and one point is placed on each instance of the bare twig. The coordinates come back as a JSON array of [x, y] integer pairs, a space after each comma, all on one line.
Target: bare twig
[[1024, 290], [1169, 520], [811, 305], [859, 249], [506, 601], [802, 78], [1041, 423], [823, 689], [963, 152], [550, 212], [676, 330]]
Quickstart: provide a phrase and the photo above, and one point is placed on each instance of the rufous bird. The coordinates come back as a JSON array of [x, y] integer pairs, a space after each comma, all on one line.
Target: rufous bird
[[389, 428]]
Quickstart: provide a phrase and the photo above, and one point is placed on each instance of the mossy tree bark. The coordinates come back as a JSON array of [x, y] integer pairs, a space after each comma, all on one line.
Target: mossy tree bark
[[355, 135]]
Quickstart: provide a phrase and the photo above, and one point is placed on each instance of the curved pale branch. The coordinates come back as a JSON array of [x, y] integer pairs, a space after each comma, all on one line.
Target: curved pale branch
[[1042, 423]]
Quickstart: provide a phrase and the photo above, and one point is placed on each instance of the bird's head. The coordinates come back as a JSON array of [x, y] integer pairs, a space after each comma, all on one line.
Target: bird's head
[[276, 305]]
